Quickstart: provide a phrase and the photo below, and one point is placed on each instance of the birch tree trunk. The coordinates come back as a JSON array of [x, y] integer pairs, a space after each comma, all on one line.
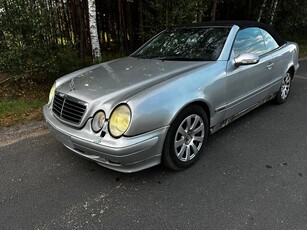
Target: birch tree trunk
[[200, 13], [273, 11], [96, 54], [261, 10]]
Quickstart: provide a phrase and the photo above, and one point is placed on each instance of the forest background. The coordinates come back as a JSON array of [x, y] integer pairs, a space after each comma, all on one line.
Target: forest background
[[41, 40]]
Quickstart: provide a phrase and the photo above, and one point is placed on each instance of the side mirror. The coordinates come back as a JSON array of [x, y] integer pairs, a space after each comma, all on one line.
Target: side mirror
[[246, 59]]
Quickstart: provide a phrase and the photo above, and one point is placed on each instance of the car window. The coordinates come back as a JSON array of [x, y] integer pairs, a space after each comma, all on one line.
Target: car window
[[205, 43], [249, 40], [269, 41]]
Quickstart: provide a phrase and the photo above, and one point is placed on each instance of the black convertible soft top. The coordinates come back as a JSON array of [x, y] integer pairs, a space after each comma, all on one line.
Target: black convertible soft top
[[241, 24]]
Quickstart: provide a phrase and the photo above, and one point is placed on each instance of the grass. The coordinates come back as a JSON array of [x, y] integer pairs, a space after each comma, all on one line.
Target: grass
[[22, 101], [16, 111], [303, 48]]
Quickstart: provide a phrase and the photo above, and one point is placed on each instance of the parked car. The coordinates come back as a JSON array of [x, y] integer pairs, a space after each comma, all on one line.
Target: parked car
[[160, 103]]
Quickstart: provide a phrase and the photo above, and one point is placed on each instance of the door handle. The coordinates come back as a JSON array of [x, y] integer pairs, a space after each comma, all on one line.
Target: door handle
[[270, 66]]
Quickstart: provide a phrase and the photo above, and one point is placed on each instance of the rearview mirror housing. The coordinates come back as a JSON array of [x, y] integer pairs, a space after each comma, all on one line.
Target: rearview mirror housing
[[246, 59]]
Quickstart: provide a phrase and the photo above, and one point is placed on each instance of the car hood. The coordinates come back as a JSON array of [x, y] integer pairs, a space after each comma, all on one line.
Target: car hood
[[122, 78]]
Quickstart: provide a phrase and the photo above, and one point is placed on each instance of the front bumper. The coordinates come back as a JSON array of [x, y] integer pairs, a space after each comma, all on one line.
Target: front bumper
[[125, 154]]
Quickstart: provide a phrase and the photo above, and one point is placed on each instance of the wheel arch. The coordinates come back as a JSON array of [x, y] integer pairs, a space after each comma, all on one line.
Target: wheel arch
[[292, 71], [202, 104], [168, 154]]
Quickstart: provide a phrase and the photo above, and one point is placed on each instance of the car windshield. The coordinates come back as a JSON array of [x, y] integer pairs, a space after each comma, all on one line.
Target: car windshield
[[194, 44]]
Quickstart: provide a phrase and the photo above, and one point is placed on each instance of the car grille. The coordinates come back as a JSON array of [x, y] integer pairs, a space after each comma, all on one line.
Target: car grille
[[68, 108]]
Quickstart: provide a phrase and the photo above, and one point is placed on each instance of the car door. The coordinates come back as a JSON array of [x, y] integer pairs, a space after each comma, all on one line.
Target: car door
[[247, 84], [280, 60]]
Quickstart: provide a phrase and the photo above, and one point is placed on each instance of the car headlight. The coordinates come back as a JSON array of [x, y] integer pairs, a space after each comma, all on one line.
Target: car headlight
[[51, 94], [98, 121], [119, 121]]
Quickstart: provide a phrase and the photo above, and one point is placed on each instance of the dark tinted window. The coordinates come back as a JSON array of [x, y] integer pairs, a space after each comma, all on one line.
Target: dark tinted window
[[249, 40], [269, 41], [186, 44]]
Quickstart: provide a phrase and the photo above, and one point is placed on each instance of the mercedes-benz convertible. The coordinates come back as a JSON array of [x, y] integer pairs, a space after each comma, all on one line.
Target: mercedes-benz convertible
[[160, 103]]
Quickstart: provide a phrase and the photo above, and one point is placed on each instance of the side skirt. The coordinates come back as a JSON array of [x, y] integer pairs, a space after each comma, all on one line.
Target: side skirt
[[240, 114]]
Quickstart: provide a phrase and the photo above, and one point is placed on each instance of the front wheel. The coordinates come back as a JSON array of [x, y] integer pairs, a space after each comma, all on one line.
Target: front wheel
[[284, 90], [185, 138]]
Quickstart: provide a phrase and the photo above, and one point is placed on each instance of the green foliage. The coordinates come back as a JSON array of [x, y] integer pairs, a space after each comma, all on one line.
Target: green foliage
[[38, 61], [162, 14], [28, 46], [47, 39], [291, 18], [61, 61]]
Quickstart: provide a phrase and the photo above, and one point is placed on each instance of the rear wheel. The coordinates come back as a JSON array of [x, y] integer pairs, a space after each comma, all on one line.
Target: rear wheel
[[185, 138], [284, 90]]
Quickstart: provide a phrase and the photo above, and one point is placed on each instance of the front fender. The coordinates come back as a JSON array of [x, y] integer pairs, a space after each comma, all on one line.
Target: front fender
[[159, 105]]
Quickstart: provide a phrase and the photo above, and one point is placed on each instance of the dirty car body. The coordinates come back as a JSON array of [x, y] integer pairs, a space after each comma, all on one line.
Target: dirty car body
[[161, 102]]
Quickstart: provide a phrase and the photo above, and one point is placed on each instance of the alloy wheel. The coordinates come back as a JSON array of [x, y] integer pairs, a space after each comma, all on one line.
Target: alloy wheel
[[285, 86], [189, 137]]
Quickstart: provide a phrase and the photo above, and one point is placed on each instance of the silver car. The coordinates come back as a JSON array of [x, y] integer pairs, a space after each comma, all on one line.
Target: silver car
[[161, 103]]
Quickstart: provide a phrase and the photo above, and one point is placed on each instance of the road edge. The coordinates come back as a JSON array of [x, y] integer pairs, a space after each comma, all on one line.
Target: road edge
[[13, 134]]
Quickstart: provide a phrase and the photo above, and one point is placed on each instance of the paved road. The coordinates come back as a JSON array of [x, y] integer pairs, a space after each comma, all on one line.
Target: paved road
[[251, 176]]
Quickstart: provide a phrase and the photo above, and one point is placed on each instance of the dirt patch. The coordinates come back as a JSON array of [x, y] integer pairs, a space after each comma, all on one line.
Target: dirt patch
[[10, 135], [23, 93]]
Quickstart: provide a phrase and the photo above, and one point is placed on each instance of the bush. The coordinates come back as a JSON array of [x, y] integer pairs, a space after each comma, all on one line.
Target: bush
[[29, 43], [38, 61]]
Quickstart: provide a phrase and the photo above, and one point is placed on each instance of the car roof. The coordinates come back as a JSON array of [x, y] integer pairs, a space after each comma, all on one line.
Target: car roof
[[240, 24]]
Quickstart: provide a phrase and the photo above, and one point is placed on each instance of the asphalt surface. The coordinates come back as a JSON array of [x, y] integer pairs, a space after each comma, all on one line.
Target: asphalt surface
[[252, 175]]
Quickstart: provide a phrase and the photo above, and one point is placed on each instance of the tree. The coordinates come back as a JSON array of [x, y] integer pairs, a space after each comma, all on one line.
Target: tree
[[273, 10], [96, 53], [213, 10], [52, 37], [261, 10]]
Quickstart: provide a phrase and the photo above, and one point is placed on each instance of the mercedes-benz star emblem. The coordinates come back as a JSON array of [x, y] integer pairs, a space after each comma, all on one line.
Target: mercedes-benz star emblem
[[71, 84]]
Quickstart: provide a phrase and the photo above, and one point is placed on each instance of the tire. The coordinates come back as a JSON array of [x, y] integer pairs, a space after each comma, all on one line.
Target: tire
[[284, 89], [185, 138]]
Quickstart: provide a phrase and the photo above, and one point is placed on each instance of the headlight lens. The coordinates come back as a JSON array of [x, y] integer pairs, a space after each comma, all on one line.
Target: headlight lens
[[98, 121], [51, 94], [120, 120]]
